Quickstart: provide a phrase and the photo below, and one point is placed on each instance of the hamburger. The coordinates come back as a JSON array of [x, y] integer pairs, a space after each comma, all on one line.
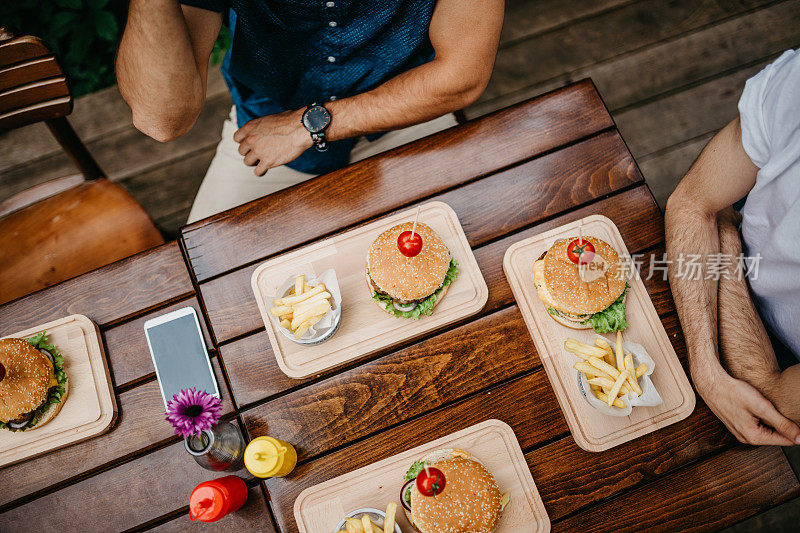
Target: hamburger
[[409, 287], [33, 384], [585, 293], [467, 500]]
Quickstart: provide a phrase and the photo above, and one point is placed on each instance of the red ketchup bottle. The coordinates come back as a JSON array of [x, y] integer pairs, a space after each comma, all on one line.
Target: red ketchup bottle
[[211, 500]]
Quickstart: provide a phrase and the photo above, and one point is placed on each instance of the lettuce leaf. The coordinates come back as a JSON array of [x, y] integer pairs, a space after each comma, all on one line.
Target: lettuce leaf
[[425, 307], [416, 468], [56, 393], [612, 318]]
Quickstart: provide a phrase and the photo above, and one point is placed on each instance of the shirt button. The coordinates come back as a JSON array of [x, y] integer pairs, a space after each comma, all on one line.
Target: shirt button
[[330, 4], [332, 98], [331, 59], [332, 24]]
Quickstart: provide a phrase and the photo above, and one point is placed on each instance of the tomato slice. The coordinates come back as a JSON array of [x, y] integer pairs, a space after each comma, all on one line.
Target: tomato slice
[[430, 481], [410, 244], [578, 252]]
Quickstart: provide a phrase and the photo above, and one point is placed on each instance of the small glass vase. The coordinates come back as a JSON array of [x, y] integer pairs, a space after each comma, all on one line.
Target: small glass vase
[[220, 448]]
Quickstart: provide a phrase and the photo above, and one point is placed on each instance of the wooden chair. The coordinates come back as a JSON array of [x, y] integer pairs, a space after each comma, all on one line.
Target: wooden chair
[[66, 226]]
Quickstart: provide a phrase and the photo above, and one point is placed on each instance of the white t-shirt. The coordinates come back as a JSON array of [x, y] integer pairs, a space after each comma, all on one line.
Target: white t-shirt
[[770, 115]]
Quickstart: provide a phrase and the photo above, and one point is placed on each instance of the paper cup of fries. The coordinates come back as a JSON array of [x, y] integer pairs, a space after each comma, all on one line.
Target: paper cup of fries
[[307, 308], [375, 519], [649, 397]]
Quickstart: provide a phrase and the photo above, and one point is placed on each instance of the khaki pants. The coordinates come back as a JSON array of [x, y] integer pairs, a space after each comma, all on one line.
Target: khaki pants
[[229, 182]]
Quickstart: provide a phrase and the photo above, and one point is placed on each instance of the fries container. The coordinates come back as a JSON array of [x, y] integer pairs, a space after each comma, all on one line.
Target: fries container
[[327, 326], [376, 515], [650, 396]]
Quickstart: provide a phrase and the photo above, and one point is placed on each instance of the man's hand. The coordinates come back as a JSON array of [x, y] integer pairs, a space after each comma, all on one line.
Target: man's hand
[[273, 140], [745, 412]]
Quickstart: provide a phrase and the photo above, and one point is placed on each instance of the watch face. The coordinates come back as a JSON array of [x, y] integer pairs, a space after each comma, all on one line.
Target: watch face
[[316, 119]]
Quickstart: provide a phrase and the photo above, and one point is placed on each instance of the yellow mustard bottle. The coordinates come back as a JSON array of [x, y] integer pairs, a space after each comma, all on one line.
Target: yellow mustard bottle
[[269, 457]]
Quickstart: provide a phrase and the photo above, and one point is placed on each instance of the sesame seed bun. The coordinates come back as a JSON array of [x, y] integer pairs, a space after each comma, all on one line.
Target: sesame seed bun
[[559, 285], [408, 279], [469, 503], [28, 379]]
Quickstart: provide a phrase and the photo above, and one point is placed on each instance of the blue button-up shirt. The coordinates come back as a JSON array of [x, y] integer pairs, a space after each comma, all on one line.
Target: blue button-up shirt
[[287, 54]]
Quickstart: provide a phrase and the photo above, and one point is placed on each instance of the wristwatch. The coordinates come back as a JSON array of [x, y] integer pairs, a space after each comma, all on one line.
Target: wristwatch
[[316, 120]]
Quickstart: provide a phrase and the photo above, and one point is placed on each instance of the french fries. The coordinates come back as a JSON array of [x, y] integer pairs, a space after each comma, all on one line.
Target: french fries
[[303, 307], [609, 371], [620, 358], [602, 343], [388, 522], [366, 523]]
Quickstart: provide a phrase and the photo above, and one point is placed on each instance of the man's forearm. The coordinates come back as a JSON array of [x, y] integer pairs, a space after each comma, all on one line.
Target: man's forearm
[[690, 231], [157, 71], [413, 97], [721, 175]]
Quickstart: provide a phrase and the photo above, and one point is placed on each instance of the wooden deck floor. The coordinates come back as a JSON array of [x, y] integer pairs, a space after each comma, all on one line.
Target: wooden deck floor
[[671, 73]]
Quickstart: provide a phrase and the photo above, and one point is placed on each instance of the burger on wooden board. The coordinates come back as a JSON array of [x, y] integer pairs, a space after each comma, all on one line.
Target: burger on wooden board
[[582, 284], [409, 270], [33, 384], [449, 491]]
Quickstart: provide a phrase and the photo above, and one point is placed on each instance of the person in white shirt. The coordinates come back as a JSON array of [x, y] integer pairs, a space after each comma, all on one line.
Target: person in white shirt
[[731, 358]]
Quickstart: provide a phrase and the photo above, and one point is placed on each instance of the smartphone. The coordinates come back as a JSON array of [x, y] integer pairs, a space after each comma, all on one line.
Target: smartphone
[[179, 353]]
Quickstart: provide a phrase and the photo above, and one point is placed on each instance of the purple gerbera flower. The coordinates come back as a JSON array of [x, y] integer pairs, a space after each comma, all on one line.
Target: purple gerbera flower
[[191, 412]]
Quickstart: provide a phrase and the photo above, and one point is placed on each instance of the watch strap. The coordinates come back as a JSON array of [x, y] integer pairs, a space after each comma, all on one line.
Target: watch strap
[[320, 141]]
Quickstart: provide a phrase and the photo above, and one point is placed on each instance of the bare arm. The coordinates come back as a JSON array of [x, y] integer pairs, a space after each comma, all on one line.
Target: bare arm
[[162, 65], [721, 175], [454, 79]]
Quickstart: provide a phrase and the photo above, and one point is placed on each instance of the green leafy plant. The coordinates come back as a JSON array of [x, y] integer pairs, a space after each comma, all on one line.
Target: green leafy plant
[[84, 35]]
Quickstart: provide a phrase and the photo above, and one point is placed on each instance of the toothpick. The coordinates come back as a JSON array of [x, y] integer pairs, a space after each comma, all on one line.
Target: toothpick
[[580, 232], [416, 216]]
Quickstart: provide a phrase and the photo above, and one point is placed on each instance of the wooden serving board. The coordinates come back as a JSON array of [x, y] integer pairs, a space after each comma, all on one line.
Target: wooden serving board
[[90, 408], [365, 327], [319, 508], [592, 430]]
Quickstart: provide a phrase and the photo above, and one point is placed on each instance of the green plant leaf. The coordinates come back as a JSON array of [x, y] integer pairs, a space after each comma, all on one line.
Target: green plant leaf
[[72, 4], [97, 4], [80, 43], [61, 23], [106, 25]]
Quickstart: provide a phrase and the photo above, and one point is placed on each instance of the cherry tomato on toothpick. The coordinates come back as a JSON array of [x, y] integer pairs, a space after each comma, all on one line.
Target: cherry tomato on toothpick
[[410, 244], [578, 252], [430, 481]]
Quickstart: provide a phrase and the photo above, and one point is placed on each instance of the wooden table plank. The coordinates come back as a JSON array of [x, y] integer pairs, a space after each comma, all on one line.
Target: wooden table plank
[[705, 496], [520, 196], [106, 295], [121, 498], [254, 374], [570, 478], [388, 181], [140, 426], [408, 382], [532, 426]]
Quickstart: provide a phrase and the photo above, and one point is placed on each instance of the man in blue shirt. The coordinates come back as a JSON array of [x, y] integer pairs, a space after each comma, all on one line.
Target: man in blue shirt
[[315, 84]]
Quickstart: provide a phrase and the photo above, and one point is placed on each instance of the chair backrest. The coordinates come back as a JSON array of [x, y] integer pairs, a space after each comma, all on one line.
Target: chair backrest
[[33, 86]]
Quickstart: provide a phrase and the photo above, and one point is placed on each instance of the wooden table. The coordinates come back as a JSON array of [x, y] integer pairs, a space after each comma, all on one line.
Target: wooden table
[[509, 175]]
